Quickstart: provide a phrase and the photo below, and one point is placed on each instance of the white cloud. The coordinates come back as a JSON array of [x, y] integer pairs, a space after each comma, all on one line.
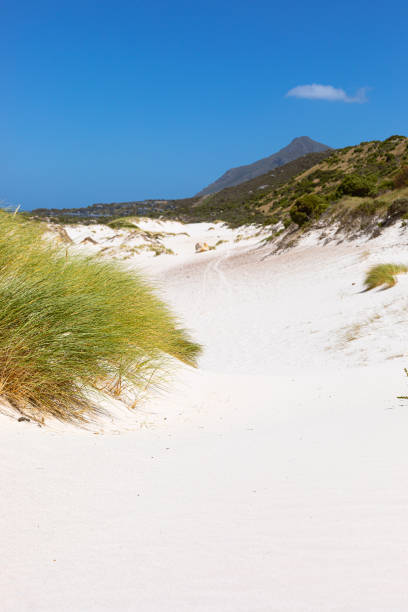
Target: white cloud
[[326, 92]]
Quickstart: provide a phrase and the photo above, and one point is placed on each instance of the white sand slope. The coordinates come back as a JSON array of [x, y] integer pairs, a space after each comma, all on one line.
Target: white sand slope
[[273, 478]]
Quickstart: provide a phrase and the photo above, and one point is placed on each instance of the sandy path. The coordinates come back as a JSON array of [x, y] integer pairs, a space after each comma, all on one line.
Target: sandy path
[[272, 479]]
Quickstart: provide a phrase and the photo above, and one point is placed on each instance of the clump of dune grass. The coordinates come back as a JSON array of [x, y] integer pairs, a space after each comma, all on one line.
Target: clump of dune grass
[[69, 325], [383, 275], [122, 223]]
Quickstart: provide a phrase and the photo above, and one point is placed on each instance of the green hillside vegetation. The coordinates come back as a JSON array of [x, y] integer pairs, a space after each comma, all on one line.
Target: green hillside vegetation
[[71, 324], [355, 182]]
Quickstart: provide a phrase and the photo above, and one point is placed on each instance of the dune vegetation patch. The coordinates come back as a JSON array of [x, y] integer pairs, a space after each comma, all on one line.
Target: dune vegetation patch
[[70, 324], [383, 275], [122, 223]]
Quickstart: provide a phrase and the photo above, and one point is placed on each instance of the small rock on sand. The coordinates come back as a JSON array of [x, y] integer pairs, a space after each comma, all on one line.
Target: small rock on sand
[[201, 247]]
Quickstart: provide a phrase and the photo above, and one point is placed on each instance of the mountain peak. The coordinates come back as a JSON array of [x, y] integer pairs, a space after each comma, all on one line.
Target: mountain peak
[[302, 145], [302, 139]]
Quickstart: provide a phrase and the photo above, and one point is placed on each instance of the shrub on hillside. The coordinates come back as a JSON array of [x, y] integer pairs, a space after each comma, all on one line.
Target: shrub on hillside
[[391, 142], [332, 196], [368, 208], [71, 324], [401, 179], [398, 209], [386, 185], [303, 187], [332, 160], [307, 208], [356, 185]]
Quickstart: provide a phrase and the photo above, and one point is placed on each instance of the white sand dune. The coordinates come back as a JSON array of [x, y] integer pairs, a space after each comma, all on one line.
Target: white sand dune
[[273, 478]]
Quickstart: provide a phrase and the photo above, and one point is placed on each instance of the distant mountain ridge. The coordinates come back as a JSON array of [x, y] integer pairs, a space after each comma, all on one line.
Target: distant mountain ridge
[[297, 148]]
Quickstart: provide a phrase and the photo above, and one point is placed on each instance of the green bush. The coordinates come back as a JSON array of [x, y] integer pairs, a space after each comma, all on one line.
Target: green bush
[[332, 196], [72, 324], [371, 159], [356, 185], [386, 185], [368, 207], [303, 187], [307, 208]]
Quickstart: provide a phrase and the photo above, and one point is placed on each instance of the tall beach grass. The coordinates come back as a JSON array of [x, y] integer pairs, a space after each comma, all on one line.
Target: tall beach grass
[[72, 324], [383, 275]]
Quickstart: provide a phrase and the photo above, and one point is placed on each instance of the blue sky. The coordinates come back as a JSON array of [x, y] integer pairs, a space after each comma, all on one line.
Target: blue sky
[[111, 101]]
